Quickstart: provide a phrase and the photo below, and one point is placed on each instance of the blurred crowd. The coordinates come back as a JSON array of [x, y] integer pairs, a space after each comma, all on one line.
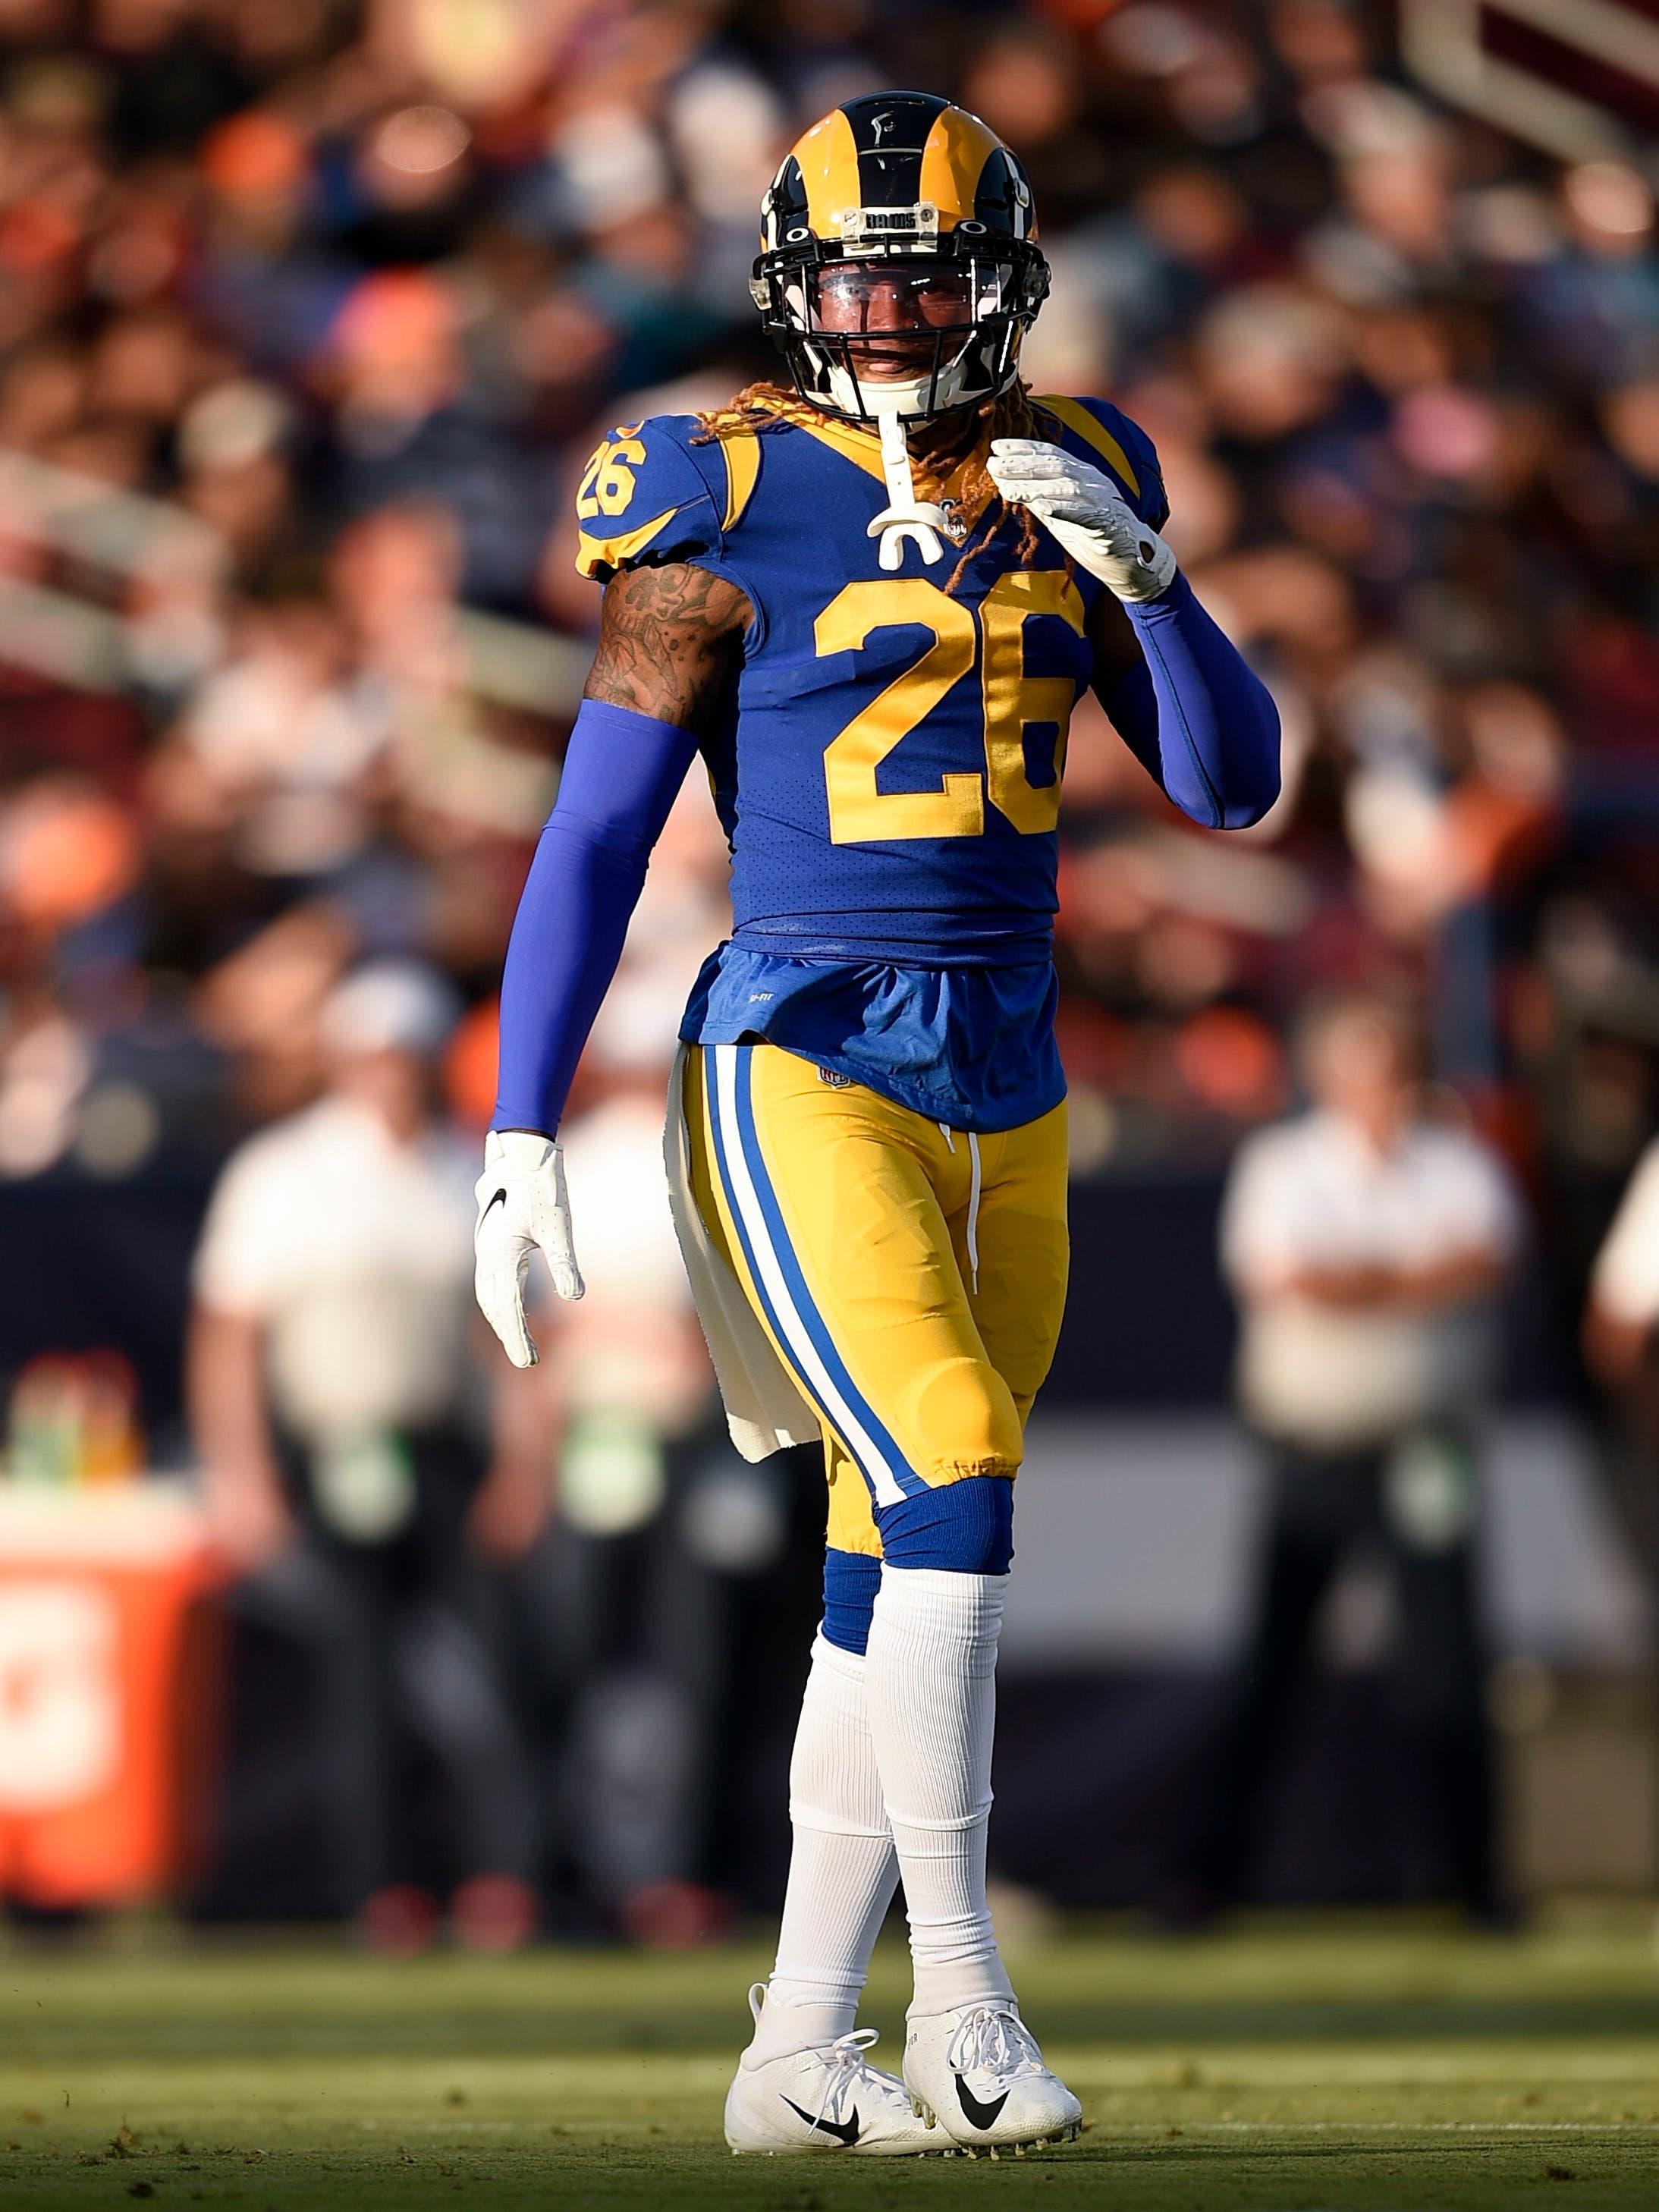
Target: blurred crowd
[[310, 315]]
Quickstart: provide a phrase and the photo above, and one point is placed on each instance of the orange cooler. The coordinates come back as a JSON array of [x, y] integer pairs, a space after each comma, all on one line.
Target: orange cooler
[[104, 1688]]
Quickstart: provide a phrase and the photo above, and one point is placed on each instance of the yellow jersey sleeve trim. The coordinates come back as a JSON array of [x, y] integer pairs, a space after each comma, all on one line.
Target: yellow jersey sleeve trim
[[1076, 417], [742, 451], [594, 554]]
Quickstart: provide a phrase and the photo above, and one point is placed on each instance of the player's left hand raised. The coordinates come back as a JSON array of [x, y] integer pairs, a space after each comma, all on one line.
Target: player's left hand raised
[[1081, 507], [523, 1207]]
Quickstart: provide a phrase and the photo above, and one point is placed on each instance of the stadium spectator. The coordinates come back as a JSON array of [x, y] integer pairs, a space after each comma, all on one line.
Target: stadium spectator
[[1367, 1241], [332, 1398]]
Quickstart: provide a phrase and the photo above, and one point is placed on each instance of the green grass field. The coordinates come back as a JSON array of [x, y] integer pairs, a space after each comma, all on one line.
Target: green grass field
[[1304, 2067]]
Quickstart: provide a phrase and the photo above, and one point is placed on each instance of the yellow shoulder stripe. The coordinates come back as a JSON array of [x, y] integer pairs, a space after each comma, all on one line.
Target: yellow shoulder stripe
[[1076, 417], [594, 554], [742, 451]]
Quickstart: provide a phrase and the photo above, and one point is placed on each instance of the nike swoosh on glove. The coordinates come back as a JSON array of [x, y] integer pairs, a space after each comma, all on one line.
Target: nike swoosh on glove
[[1085, 513], [523, 1207]]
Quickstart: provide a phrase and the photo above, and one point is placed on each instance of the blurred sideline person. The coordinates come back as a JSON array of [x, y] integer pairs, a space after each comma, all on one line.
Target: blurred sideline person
[[678, 1595], [348, 1471], [1618, 1348], [1368, 1244], [633, 1382], [674, 1607]]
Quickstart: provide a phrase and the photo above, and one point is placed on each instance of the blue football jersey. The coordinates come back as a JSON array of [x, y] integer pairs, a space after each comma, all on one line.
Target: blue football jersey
[[888, 768]]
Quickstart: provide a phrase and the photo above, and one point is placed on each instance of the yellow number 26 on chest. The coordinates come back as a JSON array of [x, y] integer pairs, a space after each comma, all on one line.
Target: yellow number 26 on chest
[[860, 813]]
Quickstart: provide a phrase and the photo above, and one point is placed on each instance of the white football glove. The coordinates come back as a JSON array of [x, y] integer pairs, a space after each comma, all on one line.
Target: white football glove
[[1083, 510], [522, 1208]]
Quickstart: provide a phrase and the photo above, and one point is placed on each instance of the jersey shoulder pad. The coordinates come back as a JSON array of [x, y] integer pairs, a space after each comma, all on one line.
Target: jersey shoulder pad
[[1100, 431], [646, 496]]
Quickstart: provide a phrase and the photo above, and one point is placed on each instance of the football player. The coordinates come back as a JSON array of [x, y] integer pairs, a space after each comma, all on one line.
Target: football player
[[868, 600]]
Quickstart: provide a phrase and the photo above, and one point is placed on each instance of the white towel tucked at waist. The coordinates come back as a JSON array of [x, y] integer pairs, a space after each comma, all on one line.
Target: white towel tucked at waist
[[764, 1408]]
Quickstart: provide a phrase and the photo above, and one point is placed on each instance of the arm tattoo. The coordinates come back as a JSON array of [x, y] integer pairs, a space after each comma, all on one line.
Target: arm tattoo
[[670, 642]]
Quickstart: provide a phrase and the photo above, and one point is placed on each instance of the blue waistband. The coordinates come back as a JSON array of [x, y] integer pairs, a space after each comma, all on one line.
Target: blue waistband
[[971, 1046], [843, 940]]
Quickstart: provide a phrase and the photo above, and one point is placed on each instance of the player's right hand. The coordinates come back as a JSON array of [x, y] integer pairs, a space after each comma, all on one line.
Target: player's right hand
[[523, 1207]]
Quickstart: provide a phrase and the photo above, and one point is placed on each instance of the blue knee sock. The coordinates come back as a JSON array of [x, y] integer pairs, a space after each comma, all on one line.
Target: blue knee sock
[[850, 1582], [966, 1527]]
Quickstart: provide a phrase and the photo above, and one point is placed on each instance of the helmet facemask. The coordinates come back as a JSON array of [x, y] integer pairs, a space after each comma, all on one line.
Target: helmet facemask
[[871, 329]]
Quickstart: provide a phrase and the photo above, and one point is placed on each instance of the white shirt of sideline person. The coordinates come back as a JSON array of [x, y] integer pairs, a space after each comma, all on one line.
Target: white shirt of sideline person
[[333, 1294], [633, 1341], [352, 1246], [1366, 1243]]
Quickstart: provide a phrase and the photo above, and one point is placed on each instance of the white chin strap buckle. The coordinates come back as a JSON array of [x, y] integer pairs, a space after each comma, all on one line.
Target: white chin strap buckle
[[904, 518]]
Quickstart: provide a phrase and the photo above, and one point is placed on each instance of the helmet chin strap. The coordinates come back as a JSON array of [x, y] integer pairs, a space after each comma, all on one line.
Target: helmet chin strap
[[905, 518]]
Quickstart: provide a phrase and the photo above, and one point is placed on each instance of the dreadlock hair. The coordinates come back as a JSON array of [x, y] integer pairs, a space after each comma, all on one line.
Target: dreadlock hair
[[766, 405]]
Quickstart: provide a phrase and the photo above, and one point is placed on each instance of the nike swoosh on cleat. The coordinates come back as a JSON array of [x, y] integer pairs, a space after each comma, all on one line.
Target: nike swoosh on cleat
[[982, 2116], [846, 2131]]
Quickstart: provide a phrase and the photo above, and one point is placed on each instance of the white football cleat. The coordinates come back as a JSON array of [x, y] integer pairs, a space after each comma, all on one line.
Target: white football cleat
[[828, 2098], [979, 2073]]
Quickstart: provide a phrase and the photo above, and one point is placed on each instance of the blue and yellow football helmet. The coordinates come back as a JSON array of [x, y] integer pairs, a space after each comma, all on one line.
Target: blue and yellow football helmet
[[909, 190]]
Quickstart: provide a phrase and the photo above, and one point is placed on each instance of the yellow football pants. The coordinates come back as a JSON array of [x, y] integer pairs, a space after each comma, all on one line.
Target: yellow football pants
[[911, 1278]]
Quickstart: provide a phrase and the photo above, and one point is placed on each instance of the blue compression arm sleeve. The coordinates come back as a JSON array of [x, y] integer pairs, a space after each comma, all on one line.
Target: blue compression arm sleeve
[[1196, 715], [621, 771]]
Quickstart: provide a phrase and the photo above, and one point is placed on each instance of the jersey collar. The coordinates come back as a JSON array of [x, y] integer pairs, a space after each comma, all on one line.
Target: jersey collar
[[863, 448]]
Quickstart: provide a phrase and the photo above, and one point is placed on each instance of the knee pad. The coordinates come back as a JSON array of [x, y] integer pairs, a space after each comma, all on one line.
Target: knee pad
[[850, 1582], [966, 1528]]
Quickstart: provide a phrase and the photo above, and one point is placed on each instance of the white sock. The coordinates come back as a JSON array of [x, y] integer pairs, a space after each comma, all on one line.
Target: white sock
[[930, 1682], [842, 1872]]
